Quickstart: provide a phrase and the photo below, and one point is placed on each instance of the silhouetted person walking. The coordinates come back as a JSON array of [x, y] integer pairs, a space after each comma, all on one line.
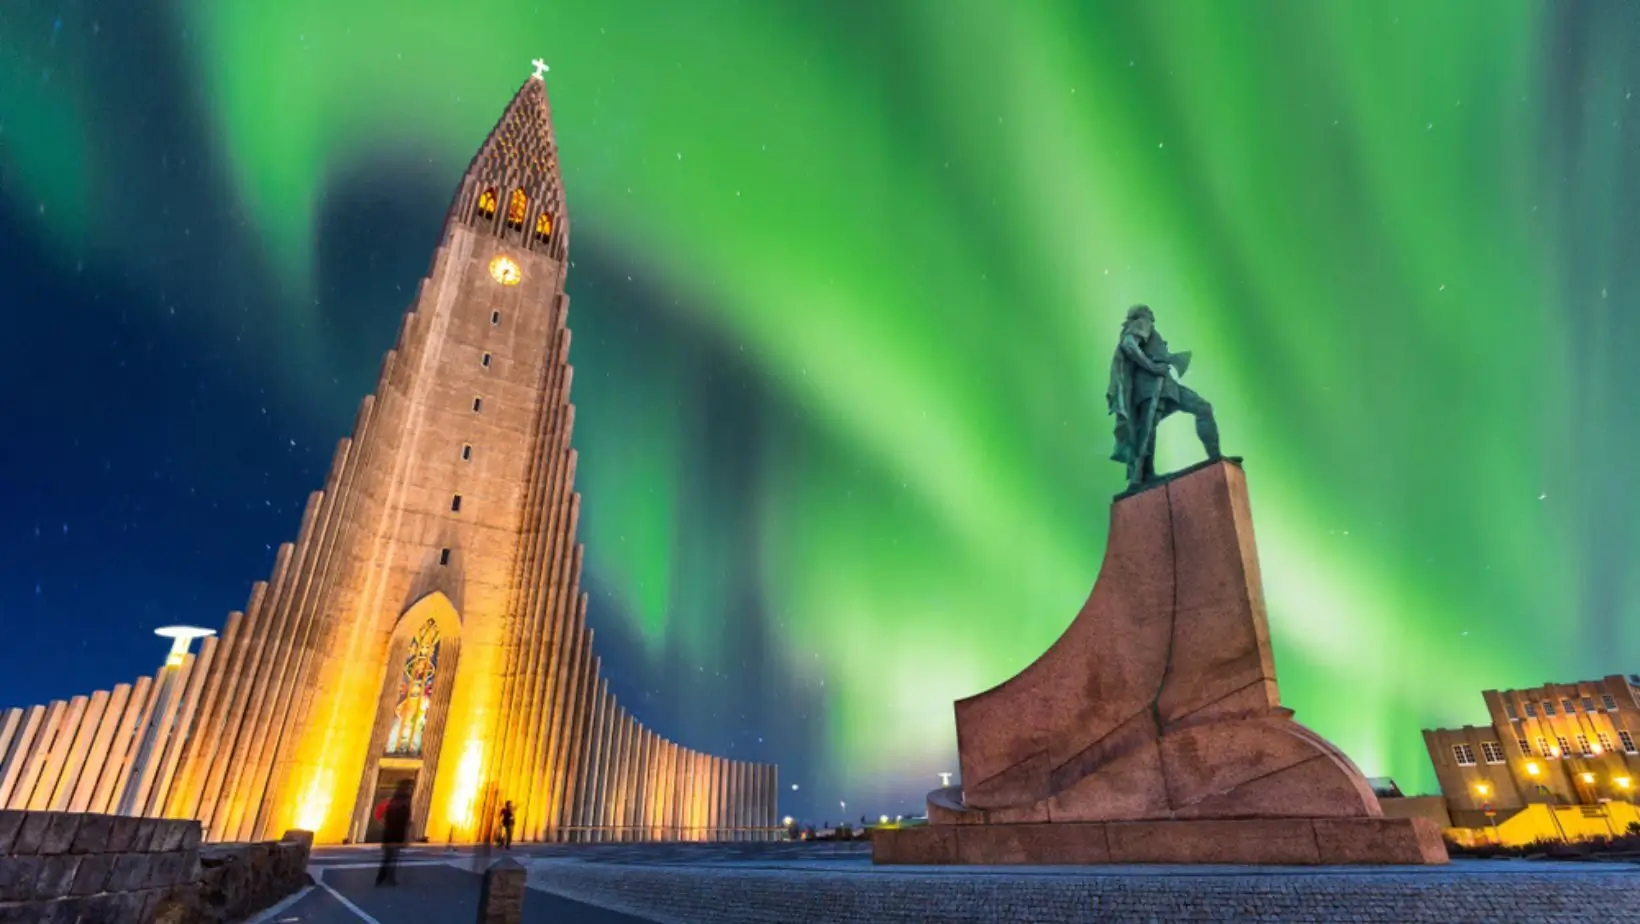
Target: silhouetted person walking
[[506, 825], [395, 818]]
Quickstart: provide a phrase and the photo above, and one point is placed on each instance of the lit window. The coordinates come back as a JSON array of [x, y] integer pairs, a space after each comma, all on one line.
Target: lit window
[[1465, 755], [1588, 704], [487, 203], [486, 360], [1531, 710], [455, 503], [1544, 749], [495, 318], [444, 556], [1607, 701], [478, 405], [466, 452], [1492, 751], [1628, 742], [1548, 708], [517, 207], [1604, 740], [543, 227], [1525, 746], [1583, 745], [1566, 704], [1510, 709], [1565, 748], [415, 693]]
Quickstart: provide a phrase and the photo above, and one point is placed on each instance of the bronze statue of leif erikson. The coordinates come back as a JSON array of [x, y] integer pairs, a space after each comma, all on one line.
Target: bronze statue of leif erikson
[[1143, 392]]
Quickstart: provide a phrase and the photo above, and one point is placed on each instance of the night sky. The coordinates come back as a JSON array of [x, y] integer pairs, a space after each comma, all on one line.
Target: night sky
[[846, 278]]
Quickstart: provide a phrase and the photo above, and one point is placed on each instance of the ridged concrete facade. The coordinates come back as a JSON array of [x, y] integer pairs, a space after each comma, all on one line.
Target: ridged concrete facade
[[445, 533]]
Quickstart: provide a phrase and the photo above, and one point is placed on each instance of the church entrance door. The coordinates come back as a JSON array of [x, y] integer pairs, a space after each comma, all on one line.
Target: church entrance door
[[387, 781]]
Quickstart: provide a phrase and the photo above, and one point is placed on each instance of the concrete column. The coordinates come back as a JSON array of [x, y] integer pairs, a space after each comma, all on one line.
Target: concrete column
[[140, 778], [246, 675], [111, 781], [22, 748], [586, 788], [599, 819], [743, 791], [652, 786], [51, 772], [79, 751], [96, 757], [10, 720], [731, 798], [191, 801], [197, 670], [23, 796], [195, 747], [714, 798]]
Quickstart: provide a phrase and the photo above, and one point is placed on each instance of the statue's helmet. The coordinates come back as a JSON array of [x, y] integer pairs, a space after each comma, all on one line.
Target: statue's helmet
[[1139, 311]]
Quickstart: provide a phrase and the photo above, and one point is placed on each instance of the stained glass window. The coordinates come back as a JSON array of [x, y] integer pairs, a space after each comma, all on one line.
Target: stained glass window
[[415, 693], [486, 203], [517, 207]]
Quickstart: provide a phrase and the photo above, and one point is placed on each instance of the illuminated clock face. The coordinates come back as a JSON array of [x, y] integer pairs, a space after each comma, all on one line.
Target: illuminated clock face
[[505, 271]]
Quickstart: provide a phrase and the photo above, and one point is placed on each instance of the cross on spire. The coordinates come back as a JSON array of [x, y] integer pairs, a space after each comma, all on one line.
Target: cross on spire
[[540, 68]]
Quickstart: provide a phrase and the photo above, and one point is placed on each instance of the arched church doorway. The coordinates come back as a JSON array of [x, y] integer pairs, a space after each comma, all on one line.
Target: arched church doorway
[[410, 714]]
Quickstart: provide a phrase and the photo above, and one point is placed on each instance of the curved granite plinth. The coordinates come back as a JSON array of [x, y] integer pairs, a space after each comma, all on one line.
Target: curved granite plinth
[[1159, 705]]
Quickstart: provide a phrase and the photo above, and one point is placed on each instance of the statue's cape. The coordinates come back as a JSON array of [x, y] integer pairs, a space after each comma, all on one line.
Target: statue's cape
[[1120, 400]]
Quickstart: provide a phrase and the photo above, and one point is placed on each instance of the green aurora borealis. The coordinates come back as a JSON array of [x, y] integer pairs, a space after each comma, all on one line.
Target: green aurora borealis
[[1397, 236]]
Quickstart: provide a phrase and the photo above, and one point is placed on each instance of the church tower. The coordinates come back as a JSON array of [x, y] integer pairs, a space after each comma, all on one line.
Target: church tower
[[428, 623]]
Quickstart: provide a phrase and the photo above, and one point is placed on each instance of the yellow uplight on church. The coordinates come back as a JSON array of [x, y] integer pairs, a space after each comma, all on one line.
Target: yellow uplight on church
[[465, 791], [315, 803], [506, 271]]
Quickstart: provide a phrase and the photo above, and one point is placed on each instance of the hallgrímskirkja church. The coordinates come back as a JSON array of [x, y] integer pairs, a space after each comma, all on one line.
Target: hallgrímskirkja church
[[428, 622]]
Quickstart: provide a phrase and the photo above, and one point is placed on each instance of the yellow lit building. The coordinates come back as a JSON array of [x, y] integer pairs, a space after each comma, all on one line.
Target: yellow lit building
[[428, 623], [1557, 762]]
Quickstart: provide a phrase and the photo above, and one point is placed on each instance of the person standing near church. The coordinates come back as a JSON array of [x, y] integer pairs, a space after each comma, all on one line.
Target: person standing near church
[[507, 819], [395, 818]]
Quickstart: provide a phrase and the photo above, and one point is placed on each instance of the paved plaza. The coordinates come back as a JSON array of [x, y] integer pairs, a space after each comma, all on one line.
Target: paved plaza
[[753, 883]]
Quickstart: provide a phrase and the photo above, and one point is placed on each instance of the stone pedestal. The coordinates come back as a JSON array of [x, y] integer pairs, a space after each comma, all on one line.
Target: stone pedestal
[[501, 897], [1151, 731]]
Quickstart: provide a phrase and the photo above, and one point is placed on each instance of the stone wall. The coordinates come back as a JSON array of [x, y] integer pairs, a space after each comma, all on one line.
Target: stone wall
[[61, 866]]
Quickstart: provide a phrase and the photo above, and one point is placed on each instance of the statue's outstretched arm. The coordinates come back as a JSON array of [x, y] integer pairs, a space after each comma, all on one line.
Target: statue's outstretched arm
[[1134, 352]]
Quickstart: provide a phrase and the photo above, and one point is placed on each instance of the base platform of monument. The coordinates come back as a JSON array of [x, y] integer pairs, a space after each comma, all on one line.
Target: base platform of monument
[[1151, 731], [1279, 841]]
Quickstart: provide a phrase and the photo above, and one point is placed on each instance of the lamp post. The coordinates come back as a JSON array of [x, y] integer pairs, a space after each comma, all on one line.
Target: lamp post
[[1483, 790]]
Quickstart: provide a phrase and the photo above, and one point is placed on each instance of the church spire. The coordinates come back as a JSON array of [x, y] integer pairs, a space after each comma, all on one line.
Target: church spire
[[512, 188]]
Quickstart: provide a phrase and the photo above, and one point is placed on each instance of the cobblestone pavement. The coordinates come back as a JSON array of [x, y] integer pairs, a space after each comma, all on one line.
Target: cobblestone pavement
[[754, 883]]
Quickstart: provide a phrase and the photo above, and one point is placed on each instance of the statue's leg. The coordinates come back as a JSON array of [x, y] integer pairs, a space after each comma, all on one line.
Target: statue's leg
[[1143, 467], [1207, 428], [1147, 446]]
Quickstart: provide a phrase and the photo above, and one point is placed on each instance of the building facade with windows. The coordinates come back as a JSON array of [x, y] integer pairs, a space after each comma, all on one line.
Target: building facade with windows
[[428, 625], [1572, 744]]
